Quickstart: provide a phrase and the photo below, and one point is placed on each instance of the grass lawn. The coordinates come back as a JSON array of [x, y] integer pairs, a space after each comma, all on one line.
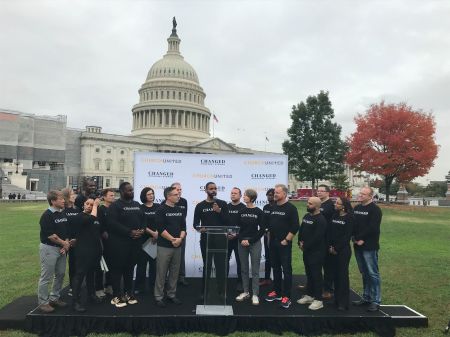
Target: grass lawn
[[414, 259]]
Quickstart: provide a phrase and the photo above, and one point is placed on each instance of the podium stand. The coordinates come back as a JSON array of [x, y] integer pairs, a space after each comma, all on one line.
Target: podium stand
[[215, 291]]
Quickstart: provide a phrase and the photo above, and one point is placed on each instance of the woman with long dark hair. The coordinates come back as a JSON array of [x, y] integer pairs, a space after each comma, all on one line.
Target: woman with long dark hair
[[339, 247]]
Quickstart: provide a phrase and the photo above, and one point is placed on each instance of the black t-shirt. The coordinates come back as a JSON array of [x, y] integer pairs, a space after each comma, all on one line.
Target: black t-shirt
[[251, 223], [327, 209], [283, 219], [172, 220], [102, 212], [80, 200], [233, 211], [367, 226], [71, 213], [341, 229], [124, 216], [204, 214], [53, 223], [312, 233], [150, 215], [182, 203], [87, 235]]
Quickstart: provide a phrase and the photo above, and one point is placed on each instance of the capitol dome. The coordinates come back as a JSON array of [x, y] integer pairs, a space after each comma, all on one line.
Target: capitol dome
[[171, 100]]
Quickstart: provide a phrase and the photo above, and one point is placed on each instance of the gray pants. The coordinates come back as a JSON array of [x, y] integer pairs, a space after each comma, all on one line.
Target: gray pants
[[53, 267], [167, 260], [254, 250]]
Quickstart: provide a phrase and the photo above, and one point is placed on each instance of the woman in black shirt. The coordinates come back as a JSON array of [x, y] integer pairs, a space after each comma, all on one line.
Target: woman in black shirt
[[88, 251], [339, 246], [250, 221]]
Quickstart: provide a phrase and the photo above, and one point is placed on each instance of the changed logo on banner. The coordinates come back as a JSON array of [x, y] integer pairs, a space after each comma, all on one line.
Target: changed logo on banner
[[219, 188], [264, 162], [263, 176], [160, 174], [214, 162]]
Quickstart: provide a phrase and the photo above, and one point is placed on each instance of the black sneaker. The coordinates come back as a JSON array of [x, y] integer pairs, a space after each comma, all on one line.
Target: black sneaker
[[373, 307], [160, 304], [174, 300], [130, 299], [78, 307], [360, 302]]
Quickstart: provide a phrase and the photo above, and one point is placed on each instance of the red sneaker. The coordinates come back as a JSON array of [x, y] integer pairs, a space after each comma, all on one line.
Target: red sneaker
[[285, 302], [273, 296]]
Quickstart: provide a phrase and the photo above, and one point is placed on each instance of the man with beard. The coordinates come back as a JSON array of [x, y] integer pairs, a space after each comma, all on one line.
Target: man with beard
[[233, 213], [311, 240], [327, 209], [283, 225], [89, 187], [267, 267], [126, 226], [211, 212], [171, 225]]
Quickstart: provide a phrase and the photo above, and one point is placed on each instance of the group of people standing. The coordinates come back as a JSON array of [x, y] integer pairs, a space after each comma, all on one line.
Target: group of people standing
[[90, 227]]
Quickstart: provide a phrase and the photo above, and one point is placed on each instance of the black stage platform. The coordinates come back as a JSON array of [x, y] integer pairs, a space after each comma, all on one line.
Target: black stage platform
[[145, 317]]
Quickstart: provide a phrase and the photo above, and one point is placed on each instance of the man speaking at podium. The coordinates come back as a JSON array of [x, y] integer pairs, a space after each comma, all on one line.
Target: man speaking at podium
[[211, 212]]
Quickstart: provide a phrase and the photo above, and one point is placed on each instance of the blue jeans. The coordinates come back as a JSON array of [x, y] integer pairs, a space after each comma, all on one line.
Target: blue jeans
[[368, 267]]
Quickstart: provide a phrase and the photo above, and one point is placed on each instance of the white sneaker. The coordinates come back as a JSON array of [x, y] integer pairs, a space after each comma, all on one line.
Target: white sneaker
[[100, 293], [118, 302], [242, 297], [255, 300], [316, 305], [305, 300]]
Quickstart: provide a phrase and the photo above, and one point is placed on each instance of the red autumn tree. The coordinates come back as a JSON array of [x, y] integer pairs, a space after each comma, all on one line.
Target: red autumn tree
[[394, 141]]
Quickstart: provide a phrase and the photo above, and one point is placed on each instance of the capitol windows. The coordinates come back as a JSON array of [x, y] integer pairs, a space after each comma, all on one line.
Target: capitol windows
[[151, 94], [168, 95], [97, 150], [190, 97], [185, 96], [179, 95], [97, 164], [162, 94], [173, 94], [107, 182], [108, 164], [122, 165], [108, 151], [156, 93], [122, 152]]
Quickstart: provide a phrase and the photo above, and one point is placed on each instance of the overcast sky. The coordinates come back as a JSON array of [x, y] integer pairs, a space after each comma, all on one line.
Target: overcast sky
[[254, 59]]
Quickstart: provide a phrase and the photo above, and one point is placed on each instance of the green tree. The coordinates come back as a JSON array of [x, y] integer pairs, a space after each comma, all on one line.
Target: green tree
[[315, 149], [340, 182]]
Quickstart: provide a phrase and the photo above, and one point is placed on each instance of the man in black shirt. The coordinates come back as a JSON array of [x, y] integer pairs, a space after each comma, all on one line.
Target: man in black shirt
[[211, 212], [53, 250], [233, 209], [327, 209], [283, 224], [311, 240], [89, 187], [171, 225], [267, 266], [366, 237], [126, 224]]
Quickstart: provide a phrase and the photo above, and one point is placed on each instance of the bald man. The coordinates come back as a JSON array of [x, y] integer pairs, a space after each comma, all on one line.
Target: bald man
[[311, 240]]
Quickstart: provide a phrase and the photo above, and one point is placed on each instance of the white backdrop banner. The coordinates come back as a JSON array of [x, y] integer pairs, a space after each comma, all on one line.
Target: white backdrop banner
[[193, 171]]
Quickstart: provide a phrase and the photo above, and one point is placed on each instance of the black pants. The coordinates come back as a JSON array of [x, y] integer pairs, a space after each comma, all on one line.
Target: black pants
[[141, 269], [182, 273], [124, 257], [313, 267], [85, 268], [328, 272], [341, 279], [233, 247], [268, 265], [281, 258], [215, 242], [72, 266]]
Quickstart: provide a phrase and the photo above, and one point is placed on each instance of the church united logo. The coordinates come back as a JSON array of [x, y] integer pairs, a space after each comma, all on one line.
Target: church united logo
[[212, 176], [213, 162], [263, 176], [160, 174], [161, 161], [264, 162]]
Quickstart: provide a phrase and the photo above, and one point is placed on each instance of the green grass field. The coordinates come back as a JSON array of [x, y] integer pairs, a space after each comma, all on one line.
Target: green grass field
[[414, 259]]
